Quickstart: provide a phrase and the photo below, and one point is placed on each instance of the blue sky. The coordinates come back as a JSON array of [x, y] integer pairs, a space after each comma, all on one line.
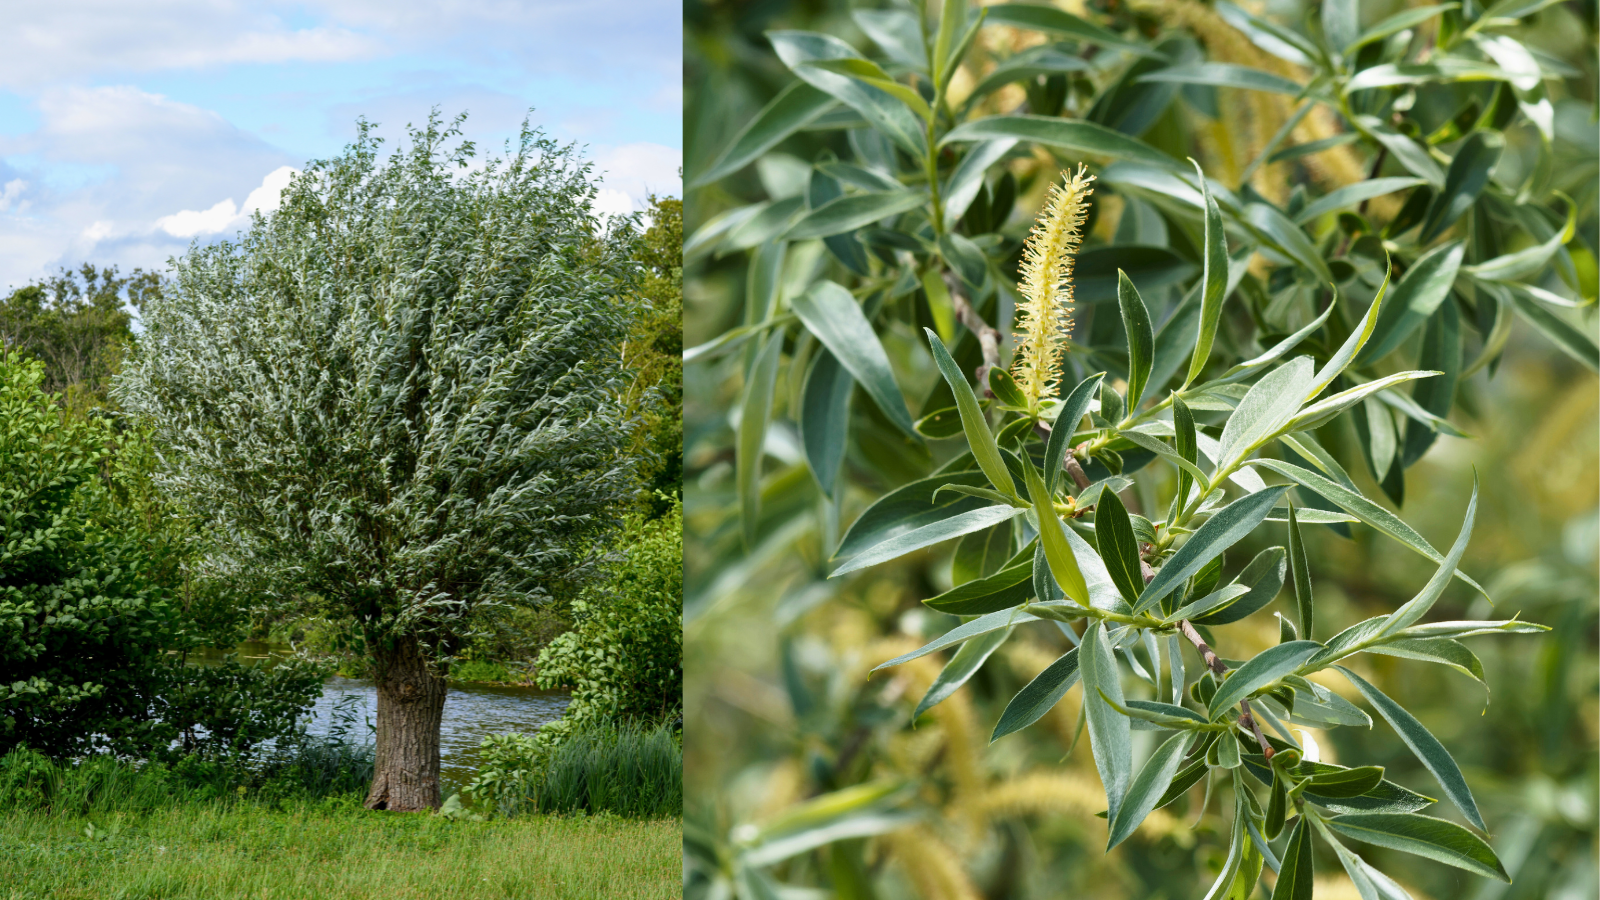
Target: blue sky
[[128, 130]]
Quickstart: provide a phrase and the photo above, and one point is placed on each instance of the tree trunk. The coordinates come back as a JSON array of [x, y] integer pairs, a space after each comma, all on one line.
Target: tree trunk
[[410, 706]]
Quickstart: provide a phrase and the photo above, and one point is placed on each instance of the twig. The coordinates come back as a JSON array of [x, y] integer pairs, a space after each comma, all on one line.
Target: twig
[[1216, 665], [988, 337], [1074, 469]]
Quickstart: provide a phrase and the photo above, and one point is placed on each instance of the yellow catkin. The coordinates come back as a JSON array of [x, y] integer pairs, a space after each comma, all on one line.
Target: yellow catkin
[[932, 866], [1072, 794], [1046, 286]]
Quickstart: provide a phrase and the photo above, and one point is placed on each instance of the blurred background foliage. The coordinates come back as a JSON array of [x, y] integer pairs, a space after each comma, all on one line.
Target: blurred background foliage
[[782, 714]]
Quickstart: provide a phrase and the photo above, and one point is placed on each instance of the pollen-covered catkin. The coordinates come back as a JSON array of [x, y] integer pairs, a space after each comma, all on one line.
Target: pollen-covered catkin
[[1046, 285]]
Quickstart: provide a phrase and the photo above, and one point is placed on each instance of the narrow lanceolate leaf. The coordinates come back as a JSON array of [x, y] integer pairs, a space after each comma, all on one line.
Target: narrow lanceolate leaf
[[1342, 783], [1113, 536], [891, 117], [1266, 409], [1214, 281], [928, 535], [980, 625], [1266, 667], [1523, 263], [1418, 606], [1262, 579], [1422, 743], [1433, 399], [1063, 565], [1396, 23], [755, 411], [1005, 589], [1183, 440], [1424, 836], [870, 73], [1350, 195], [854, 211], [1166, 715], [1356, 505], [1473, 628], [795, 107], [961, 667], [1072, 412], [1141, 338], [1221, 531], [1225, 75], [1251, 366], [1577, 344], [1444, 651], [1300, 570], [1353, 344], [1051, 20], [1323, 411], [1370, 883], [907, 508], [1296, 872], [966, 180], [825, 418], [1222, 888], [1039, 696], [1148, 787], [1110, 734], [1466, 178], [1420, 291], [830, 313], [979, 438], [1075, 135]]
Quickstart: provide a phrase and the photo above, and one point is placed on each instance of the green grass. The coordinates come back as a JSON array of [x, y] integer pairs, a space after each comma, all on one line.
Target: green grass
[[331, 849], [628, 769]]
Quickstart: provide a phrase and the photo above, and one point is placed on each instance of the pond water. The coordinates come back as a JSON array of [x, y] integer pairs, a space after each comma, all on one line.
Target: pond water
[[472, 711]]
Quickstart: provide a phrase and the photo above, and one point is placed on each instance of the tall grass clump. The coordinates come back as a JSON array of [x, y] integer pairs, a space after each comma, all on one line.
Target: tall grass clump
[[631, 769]]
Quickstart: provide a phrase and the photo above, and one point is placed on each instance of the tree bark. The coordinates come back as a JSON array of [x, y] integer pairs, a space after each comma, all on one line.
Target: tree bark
[[410, 707]]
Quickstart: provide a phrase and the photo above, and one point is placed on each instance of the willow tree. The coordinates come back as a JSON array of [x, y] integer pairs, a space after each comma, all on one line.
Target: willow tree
[[397, 400]]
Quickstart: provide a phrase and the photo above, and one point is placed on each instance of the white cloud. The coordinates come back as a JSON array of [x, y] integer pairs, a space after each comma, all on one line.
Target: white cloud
[[46, 43], [68, 39], [8, 195], [148, 156], [608, 202], [639, 170], [225, 216]]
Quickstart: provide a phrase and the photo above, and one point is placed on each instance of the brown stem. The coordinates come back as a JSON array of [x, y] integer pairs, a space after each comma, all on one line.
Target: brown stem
[[988, 337], [1216, 665], [1074, 469]]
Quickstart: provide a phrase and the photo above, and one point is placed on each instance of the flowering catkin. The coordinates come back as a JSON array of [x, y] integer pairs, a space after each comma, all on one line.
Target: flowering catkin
[[1046, 285]]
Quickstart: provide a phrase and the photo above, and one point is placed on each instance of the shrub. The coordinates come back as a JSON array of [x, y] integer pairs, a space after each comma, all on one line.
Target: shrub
[[624, 656], [479, 670], [81, 627]]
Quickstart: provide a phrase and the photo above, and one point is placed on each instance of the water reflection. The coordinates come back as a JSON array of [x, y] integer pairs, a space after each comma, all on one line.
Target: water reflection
[[471, 711]]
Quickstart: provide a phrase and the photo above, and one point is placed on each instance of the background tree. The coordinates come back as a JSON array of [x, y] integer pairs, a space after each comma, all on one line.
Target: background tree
[[655, 350], [79, 324], [400, 396]]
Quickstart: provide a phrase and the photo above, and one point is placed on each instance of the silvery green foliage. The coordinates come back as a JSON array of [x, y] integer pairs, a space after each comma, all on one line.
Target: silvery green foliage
[[1224, 338], [400, 392]]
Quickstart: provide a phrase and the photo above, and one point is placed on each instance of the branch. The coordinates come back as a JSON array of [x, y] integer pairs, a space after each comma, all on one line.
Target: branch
[[1216, 665], [988, 337]]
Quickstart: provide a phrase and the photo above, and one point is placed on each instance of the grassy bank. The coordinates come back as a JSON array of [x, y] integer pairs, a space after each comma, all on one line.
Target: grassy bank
[[330, 849]]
